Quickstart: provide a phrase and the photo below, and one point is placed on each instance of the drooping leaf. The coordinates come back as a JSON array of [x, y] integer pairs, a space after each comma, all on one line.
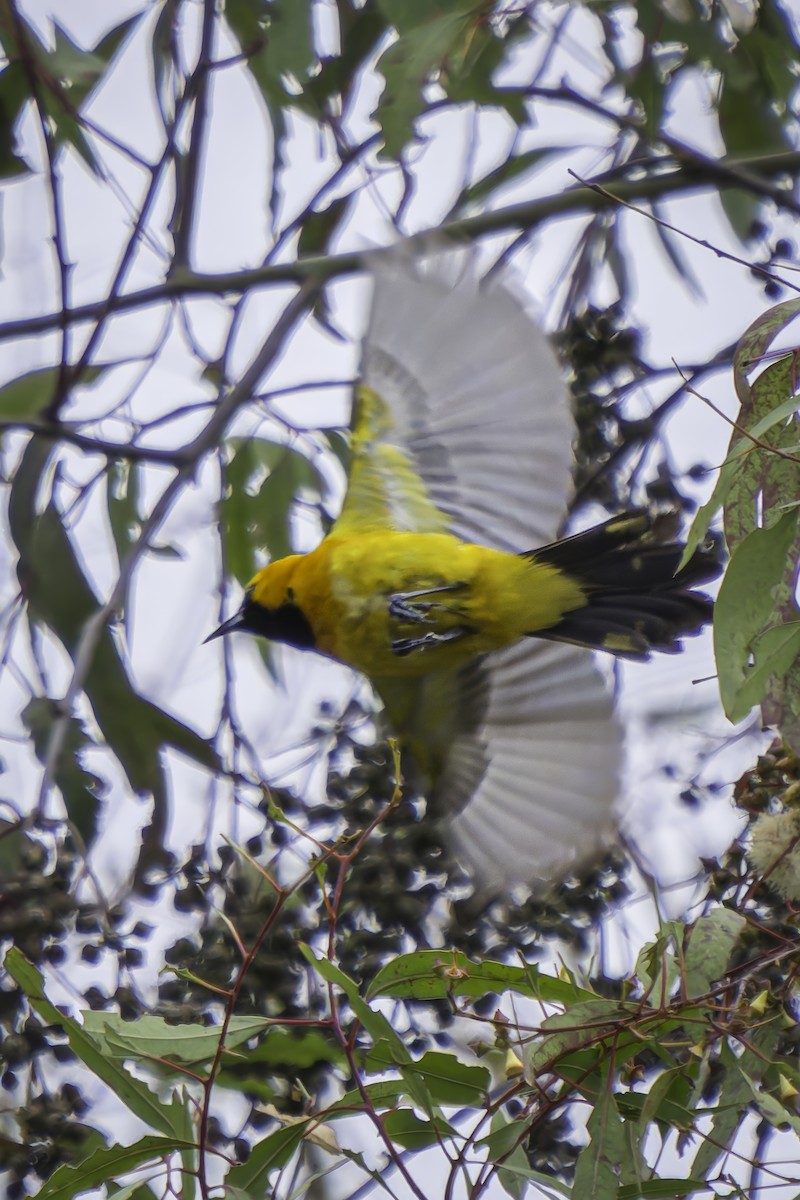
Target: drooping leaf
[[711, 941], [767, 478], [770, 1107], [746, 608], [81, 789], [452, 1082], [14, 94], [766, 408], [168, 1119], [262, 483], [579, 1025], [427, 36], [505, 1145], [657, 967], [412, 1132], [735, 1094], [104, 1164], [269, 1154], [122, 499], [150, 1037], [276, 40], [377, 1026], [599, 1165], [24, 398], [60, 597]]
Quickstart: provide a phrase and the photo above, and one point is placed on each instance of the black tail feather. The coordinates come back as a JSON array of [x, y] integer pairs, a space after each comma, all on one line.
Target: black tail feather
[[636, 598]]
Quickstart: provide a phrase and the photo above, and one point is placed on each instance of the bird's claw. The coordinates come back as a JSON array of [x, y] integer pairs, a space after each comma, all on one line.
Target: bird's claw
[[406, 606], [403, 646], [403, 610]]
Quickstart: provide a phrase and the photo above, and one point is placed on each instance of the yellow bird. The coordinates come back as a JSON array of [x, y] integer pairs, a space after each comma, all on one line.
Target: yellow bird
[[430, 582]]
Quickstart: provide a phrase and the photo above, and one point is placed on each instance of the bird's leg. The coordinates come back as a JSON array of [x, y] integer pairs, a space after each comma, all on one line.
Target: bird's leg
[[403, 646], [402, 608]]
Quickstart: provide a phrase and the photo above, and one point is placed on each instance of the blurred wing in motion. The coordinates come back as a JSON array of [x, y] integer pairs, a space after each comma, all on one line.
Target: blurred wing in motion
[[525, 754], [462, 421]]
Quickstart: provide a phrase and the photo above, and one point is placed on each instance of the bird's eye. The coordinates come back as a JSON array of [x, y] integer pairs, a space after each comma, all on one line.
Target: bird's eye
[[290, 595]]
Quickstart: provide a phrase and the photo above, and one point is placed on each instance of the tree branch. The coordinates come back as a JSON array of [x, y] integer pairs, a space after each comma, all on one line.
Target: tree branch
[[572, 200]]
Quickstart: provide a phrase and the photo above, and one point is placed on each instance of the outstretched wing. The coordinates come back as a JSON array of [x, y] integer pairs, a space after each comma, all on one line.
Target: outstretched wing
[[462, 421], [530, 787], [521, 755]]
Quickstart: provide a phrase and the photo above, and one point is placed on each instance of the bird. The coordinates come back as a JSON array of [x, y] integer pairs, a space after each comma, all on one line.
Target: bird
[[445, 583]]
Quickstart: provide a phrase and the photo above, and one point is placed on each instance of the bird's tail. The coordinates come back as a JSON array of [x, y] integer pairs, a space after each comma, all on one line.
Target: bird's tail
[[636, 598]]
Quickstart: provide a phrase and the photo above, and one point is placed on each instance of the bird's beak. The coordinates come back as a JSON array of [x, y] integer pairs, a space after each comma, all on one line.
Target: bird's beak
[[230, 626]]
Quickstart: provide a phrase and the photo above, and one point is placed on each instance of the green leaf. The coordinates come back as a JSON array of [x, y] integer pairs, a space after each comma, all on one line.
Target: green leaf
[[746, 606], [599, 1165], [270, 1154], [766, 479], [14, 95], [774, 654], [319, 227], [657, 967], [412, 1132], [262, 480], [385, 1094], [735, 1094], [135, 729], [277, 43], [505, 1146], [490, 184], [137, 1189], [452, 1082], [756, 341], [289, 37], [771, 1108], [766, 485], [296, 1048], [711, 942], [122, 500], [24, 398], [169, 1119], [152, 1037], [647, 86], [376, 1025], [80, 71], [437, 974], [769, 402], [584, 1022], [427, 36], [103, 1165], [474, 63], [80, 789], [661, 1189], [661, 1103]]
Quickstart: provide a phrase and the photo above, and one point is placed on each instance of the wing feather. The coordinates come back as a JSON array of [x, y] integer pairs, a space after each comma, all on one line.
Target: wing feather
[[462, 423], [462, 419], [521, 756], [532, 783]]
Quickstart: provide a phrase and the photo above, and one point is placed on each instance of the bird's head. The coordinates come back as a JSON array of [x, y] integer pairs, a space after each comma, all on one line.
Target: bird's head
[[270, 608]]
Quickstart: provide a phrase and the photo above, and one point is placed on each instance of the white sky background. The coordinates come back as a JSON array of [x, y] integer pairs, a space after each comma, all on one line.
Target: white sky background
[[174, 602]]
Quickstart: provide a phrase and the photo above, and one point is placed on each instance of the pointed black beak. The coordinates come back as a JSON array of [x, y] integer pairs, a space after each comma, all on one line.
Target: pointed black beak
[[230, 626]]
